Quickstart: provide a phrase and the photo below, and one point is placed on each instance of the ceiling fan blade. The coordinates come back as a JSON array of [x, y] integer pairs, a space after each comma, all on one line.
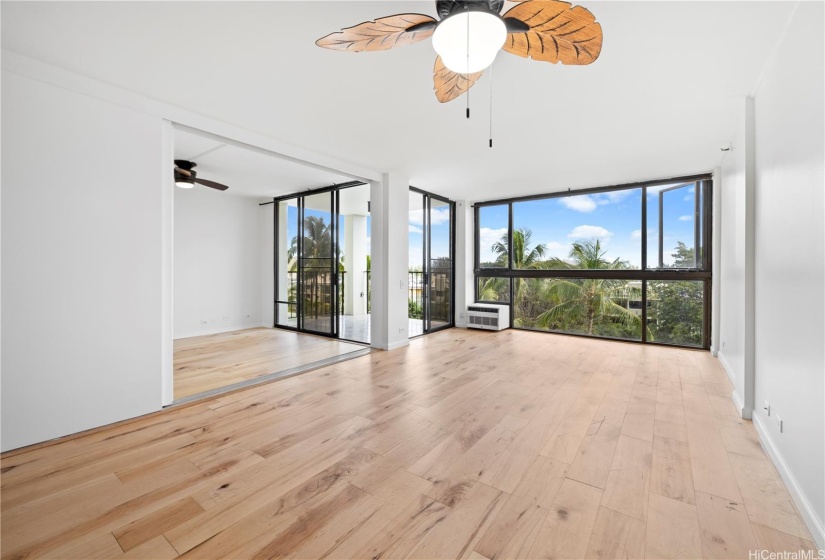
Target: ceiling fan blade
[[381, 34], [555, 32], [211, 184], [183, 172], [448, 84]]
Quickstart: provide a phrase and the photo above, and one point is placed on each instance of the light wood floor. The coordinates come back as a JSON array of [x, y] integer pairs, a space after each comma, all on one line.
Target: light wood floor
[[203, 363], [464, 445]]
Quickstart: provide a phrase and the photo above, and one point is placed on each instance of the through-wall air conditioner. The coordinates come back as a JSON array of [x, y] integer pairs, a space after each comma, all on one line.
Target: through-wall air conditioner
[[488, 316]]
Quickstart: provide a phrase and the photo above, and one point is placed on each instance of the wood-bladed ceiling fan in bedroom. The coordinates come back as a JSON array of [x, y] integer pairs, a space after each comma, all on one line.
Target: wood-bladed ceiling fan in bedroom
[[469, 33]]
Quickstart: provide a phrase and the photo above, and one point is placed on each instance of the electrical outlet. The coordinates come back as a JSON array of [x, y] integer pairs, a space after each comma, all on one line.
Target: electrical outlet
[[767, 408], [779, 423]]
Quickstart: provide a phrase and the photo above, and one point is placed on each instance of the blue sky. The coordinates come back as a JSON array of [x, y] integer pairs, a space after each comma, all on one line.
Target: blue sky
[[440, 222], [613, 217]]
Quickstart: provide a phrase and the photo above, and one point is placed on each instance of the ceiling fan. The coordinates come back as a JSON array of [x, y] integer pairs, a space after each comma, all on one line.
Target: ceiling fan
[[186, 176], [471, 32]]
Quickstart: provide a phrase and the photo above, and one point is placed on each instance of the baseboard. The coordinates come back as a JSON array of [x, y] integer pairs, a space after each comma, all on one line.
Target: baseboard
[[392, 345], [740, 406], [218, 330], [726, 366], [815, 525]]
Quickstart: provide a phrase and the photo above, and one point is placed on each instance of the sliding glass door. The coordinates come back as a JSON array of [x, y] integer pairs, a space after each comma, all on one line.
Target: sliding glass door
[[322, 264], [431, 269], [317, 258]]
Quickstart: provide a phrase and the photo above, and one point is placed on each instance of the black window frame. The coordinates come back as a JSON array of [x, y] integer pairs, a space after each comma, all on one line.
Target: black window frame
[[703, 234]]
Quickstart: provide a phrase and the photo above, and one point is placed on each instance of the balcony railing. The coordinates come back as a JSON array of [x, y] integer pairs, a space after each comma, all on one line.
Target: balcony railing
[[318, 292]]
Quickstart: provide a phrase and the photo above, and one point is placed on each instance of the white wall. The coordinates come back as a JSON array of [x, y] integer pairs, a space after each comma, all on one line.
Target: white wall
[[789, 265], [82, 254], [219, 245], [735, 271]]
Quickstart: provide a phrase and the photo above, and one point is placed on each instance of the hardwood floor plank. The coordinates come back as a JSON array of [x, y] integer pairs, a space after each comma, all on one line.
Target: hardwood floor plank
[[628, 482], [156, 523], [568, 526], [616, 536], [779, 542], [766, 499], [515, 528], [672, 530], [725, 529], [670, 473]]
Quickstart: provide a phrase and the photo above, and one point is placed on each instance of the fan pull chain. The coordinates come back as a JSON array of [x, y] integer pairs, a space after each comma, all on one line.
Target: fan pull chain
[[491, 105], [467, 75]]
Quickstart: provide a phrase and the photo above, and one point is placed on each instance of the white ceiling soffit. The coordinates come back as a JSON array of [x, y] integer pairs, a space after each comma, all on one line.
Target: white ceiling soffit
[[659, 102], [249, 172]]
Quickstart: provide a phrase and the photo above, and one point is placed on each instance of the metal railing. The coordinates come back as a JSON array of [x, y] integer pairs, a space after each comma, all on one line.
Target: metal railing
[[317, 292]]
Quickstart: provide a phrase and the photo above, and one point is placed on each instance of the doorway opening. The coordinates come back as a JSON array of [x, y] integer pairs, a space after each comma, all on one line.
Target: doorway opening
[[431, 263], [223, 262]]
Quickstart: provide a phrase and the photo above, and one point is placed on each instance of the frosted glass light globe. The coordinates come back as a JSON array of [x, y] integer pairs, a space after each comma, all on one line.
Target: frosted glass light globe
[[487, 36]]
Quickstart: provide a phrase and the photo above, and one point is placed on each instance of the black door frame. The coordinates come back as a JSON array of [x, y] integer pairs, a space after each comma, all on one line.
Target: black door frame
[[426, 264]]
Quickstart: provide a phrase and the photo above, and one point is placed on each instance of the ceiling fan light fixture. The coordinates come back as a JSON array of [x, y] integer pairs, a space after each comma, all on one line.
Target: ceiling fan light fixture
[[184, 183], [487, 35]]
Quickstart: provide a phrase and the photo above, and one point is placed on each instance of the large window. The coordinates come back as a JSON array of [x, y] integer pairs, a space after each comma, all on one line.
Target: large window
[[628, 262]]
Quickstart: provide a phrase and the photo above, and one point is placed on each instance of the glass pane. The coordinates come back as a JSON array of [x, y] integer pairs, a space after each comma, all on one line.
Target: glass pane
[[605, 308], [415, 294], [493, 289], [315, 264], [287, 270], [354, 269], [590, 231], [675, 311], [441, 264], [673, 247], [492, 226]]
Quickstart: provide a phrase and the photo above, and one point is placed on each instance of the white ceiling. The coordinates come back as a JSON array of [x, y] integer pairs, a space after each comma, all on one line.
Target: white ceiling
[[249, 172], [659, 102]]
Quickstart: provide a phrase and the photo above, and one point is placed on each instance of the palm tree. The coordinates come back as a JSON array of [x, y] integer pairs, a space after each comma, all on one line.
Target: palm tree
[[523, 257], [316, 257], [586, 303]]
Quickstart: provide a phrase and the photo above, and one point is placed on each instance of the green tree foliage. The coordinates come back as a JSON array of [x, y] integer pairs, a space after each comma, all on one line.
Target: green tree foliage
[[588, 306], [676, 305]]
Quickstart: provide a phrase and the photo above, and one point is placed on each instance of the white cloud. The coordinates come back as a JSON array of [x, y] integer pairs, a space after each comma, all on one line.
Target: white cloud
[[554, 245], [589, 232], [438, 216], [614, 196], [685, 218], [415, 229], [487, 237], [581, 203], [636, 234]]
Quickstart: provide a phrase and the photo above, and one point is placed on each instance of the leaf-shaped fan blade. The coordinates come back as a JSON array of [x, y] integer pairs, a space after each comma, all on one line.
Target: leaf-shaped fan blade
[[558, 32], [449, 84], [212, 184], [381, 34]]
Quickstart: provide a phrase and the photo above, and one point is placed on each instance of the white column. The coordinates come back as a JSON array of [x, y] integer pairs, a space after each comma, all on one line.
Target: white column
[[464, 278], [355, 257], [389, 212], [267, 305]]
